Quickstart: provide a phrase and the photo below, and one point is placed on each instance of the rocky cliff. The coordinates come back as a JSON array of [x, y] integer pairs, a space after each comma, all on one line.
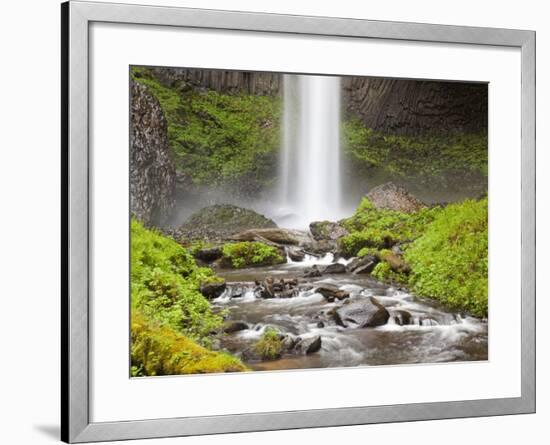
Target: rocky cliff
[[264, 84], [391, 106], [152, 172], [412, 107]]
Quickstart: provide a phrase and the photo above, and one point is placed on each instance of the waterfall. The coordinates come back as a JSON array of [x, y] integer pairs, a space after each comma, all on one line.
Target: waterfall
[[310, 185]]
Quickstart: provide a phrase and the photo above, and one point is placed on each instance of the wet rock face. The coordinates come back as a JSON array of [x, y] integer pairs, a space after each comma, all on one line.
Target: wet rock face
[[212, 290], [362, 314], [152, 172], [327, 230], [269, 84], [412, 107], [393, 197]]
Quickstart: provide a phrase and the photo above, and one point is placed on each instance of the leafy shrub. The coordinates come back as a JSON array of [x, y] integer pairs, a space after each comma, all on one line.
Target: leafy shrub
[[270, 346], [158, 349], [165, 284], [250, 254], [450, 261]]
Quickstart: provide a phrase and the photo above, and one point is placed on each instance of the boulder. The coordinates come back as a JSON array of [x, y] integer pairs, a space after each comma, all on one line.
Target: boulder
[[402, 317], [309, 345], [335, 268], [362, 314], [295, 253], [393, 197], [213, 289], [268, 235], [332, 293], [364, 264], [321, 247], [288, 342], [284, 288], [234, 326], [209, 254], [327, 230], [313, 272], [220, 221]]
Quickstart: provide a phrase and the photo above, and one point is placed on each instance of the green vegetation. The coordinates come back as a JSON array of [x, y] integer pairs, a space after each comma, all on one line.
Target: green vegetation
[[426, 157], [445, 250], [372, 228], [165, 284], [219, 139], [449, 262], [251, 254], [270, 346], [157, 349], [171, 320]]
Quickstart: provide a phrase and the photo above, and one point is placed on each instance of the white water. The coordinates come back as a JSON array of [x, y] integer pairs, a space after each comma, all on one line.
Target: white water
[[310, 157]]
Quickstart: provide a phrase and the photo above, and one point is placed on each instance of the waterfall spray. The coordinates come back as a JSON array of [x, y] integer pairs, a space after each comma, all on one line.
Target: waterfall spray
[[310, 158]]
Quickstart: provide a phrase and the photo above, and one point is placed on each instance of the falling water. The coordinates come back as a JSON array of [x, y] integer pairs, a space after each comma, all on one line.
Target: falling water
[[310, 157]]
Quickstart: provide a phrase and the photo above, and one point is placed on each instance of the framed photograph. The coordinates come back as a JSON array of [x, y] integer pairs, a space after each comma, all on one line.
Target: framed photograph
[[277, 222]]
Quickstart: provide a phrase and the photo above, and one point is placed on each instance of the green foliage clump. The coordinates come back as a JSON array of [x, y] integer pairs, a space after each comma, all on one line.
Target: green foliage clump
[[250, 254], [270, 346], [165, 284], [427, 156], [219, 139], [384, 272], [157, 349], [450, 261], [380, 228]]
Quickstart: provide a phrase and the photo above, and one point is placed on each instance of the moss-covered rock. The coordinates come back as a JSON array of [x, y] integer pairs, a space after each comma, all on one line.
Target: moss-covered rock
[[221, 221], [157, 349], [327, 230], [270, 346]]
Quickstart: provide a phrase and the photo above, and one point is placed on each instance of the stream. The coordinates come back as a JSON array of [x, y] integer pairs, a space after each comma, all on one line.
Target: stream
[[417, 330]]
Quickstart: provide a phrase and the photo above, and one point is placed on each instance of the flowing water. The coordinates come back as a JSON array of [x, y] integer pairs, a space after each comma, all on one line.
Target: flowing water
[[310, 184], [433, 335]]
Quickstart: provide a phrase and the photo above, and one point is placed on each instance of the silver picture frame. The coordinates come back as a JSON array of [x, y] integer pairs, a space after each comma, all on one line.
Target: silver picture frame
[[76, 18]]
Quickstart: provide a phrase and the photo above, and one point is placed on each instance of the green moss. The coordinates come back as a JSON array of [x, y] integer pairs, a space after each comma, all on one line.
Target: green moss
[[157, 349], [427, 157], [165, 284], [450, 261], [445, 250], [371, 228], [251, 254], [270, 346], [365, 251], [219, 139]]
